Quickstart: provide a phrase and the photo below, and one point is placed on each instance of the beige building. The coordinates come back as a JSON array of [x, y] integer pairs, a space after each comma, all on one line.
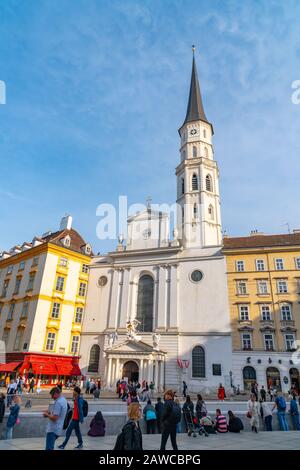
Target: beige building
[[263, 274], [43, 286]]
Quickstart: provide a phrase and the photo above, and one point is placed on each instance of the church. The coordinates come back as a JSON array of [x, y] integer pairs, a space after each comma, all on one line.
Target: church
[[157, 307]]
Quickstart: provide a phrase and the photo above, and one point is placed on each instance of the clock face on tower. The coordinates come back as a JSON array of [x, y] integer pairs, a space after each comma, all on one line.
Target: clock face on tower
[[193, 131]]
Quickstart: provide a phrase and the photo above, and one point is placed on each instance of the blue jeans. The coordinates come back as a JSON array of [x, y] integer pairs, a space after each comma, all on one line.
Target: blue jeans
[[50, 440], [282, 421], [296, 423], [9, 431], [268, 422], [74, 424]]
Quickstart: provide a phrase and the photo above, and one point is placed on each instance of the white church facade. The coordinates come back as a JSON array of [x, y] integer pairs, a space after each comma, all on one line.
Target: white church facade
[[157, 308]]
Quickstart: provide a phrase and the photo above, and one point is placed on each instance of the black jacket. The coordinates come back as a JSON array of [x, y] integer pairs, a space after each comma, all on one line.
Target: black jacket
[[132, 436], [235, 425], [159, 408], [2, 409], [168, 418]]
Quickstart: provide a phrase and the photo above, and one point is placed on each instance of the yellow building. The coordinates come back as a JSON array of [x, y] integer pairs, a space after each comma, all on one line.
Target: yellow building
[[43, 287], [263, 273]]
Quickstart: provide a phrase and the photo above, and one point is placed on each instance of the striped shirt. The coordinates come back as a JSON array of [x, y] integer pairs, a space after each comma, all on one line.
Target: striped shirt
[[221, 423]]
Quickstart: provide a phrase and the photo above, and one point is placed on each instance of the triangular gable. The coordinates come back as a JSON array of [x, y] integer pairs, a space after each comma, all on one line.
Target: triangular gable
[[132, 346]]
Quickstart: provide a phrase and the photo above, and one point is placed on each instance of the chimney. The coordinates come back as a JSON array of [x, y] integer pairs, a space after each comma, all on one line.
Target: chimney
[[66, 223], [255, 232]]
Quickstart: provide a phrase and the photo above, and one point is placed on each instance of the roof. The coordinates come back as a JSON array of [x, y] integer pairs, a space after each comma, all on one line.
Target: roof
[[262, 241], [195, 110], [77, 242]]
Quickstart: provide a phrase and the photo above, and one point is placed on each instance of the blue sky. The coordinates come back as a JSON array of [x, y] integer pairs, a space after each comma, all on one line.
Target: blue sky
[[96, 91]]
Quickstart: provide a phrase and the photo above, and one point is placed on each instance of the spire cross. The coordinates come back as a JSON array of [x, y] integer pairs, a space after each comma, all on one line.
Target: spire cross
[[193, 49], [149, 201]]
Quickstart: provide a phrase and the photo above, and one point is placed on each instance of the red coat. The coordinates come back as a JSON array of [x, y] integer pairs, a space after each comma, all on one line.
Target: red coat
[[221, 393]]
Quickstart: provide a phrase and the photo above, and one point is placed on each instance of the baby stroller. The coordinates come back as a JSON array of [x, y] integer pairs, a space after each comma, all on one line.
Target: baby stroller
[[193, 425]]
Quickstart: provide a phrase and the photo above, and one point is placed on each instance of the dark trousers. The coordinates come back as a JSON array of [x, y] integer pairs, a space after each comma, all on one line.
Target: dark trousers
[[151, 426], [164, 437], [74, 424], [158, 425], [268, 423], [50, 440]]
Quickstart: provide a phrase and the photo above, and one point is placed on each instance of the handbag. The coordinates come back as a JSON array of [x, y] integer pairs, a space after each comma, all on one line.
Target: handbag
[[249, 414]]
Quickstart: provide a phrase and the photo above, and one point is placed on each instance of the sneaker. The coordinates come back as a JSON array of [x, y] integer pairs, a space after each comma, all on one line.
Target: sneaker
[[61, 447], [79, 446]]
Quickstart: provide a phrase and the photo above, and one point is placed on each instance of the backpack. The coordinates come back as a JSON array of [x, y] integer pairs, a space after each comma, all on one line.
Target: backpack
[[176, 413], [85, 408], [281, 403], [150, 414], [68, 417], [119, 445]]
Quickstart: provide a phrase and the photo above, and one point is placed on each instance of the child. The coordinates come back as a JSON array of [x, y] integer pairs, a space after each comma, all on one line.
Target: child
[[13, 416]]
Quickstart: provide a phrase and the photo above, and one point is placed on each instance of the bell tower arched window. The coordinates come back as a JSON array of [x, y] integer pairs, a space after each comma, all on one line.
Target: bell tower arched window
[[194, 151], [211, 212], [94, 358], [194, 182], [195, 211], [145, 303], [208, 183], [182, 185]]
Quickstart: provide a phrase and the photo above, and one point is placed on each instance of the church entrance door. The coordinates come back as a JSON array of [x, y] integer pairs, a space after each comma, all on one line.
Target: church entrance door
[[131, 371]]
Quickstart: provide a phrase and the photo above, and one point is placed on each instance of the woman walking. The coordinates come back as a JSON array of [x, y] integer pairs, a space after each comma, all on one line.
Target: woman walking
[[13, 416], [253, 413], [221, 393]]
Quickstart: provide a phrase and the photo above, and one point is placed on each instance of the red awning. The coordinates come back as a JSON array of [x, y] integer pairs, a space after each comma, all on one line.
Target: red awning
[[44, 368], [9, 367], [68, 369]]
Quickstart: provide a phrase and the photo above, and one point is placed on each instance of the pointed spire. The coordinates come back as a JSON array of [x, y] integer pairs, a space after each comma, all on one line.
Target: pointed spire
[[195, 110]]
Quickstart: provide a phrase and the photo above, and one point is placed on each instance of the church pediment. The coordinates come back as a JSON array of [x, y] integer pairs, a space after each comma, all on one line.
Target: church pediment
[[133, 347]]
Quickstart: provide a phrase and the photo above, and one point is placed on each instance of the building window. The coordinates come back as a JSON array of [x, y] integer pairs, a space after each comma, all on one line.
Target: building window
[[216, 369], [22, 266], [241, 287], [240, 266], [60, 281], [5, 336], [211, 212], [198, 362], [63, 262], [5, 287], [262, 287], [290, 342], [19, 339], [246, 341], [17, 285], [78, 315], [85, 269], [194, 151], [260, 265], [282, 287], [286, 312], [11, 311], [55, 310], [244, 312], [82, 289], [265, 312], [75, 344], [205, 152], [9, 269], [25, 308], [194, 182], [50, 343], [94, 358], [31, 281], [297, 262], [208, 183], [195, 211], [145, 303], [279, 264], [35, 261], [204, 133], [269, 342], [182, 185]]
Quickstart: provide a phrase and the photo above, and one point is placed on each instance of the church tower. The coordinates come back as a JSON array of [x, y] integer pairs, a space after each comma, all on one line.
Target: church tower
[[198, 197]]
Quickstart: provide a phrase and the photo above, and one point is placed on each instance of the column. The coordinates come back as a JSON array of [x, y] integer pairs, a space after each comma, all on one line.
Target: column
[[141, 374], [155, 297], [124, 314], [117, 374], [113, 311], [109, 372], [162, 300], [162, 375], [150, 371], [156, 375], [173, 313]]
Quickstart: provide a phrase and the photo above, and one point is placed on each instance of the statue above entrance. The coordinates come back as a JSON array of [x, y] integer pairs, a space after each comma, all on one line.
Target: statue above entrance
[[131, 327]]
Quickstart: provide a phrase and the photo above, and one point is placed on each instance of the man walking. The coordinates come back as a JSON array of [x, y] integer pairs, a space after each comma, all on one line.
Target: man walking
[[77, 418], [280, 404], [159, 409], [56, 417], [295, 413], [170, 418], [263, 393]]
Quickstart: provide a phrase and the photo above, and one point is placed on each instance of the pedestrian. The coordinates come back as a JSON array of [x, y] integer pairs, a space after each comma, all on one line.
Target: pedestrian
[[263, 393], [221, 393], [2, 406], [200, 407], [266, 414], [171, 417], [31, 386], [97, 425], [131, 436], [280, 404], [178, 425], [159, 407], [11, 391], [150, 417], [207, 423], [184, 388], [234, 423], [56, 416], [294, 411], [77, 419], [87, 386], [13, 416], [188, 413], [152, 388], [220, 422], [253, 412]]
